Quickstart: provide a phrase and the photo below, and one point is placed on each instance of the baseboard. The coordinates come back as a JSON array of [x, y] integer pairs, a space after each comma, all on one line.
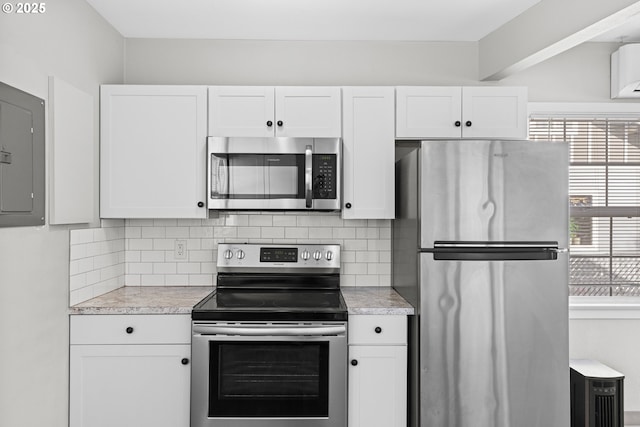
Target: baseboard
[[632, 418]]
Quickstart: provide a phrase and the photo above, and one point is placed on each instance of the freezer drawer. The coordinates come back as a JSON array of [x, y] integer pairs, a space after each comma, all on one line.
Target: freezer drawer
[[494, 342]]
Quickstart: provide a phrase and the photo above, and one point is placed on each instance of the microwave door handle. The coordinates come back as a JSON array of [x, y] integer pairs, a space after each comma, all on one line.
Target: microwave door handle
[[308, 175], [218, 176], [223, 176]]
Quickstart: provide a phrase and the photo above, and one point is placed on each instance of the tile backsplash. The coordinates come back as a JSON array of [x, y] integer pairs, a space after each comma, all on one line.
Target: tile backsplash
[[150, 252], [96, 260]]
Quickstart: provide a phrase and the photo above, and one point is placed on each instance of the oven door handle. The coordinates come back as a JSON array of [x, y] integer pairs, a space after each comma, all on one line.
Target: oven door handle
[[308, 176], [270, 331]]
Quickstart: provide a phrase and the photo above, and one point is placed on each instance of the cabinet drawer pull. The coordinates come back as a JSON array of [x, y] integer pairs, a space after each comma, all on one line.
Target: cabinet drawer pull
[[129, 330], [378, 329], [458, 123], [468, 123], [279, 123], [269, 123], [354, 362], [185, 361]]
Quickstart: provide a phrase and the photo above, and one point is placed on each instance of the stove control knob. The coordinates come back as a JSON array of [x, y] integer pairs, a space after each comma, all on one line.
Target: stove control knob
[[317, 255], [304, 255], [240, 254], [228, 254], [329, 255]]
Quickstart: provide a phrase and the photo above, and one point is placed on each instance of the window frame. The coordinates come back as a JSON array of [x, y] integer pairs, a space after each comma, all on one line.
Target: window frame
[[592, 307]]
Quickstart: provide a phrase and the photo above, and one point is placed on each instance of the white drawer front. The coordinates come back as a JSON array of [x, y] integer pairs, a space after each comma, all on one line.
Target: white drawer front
[[130, 329], [378, 329]]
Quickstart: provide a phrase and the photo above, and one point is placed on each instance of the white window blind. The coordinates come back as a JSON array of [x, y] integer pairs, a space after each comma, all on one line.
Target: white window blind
[[604, 192]]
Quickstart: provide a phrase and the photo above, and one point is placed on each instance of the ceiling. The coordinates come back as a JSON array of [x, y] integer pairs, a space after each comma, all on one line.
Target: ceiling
[[406, 20], [399, 20]]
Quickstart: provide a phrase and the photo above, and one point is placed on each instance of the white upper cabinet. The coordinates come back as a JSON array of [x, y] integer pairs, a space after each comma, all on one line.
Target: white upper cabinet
[[152, 151], [274, 111], [461, 112], [368, 153]]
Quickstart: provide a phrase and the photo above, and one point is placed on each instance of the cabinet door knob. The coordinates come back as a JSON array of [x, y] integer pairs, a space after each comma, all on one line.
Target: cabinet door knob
[[185, 361], [354, 362], [348, 205], [129, 330], [201, 204], [378, 329], [269, 123], [279, 123], [468, 123], [458, 123]]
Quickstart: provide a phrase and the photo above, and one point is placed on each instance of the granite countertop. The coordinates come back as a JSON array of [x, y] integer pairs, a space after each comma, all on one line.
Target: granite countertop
[[181, 299], [375, 300], [145, 300]]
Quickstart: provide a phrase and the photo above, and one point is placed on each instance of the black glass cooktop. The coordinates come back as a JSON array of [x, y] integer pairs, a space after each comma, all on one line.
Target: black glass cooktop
[[265, 304]]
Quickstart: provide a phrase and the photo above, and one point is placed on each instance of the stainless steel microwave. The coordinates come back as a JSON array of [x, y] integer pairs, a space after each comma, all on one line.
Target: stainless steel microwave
[[274, 173]]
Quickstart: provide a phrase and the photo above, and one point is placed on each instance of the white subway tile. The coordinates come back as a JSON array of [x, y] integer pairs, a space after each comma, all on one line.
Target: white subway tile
[[344, 233], [367, 256], [77, 251], [296, 232], [165, 222], [164, 268], [163, 244], [133, 232], [355, 245], [200, 280], [272, 232], [260, 221], [355, 268], [201, 232], [200, 256], [177, 232], [77, 281], [133, 256], [284, 221], [225, 232], [248, 232], [153, 233], [176, 279], [140, 268], [93, 277], [152, 280], [81, 236], [367, 280], [189, 222], [139, 222], [140, 244], [152, 256], [188, 268], [132, 279]]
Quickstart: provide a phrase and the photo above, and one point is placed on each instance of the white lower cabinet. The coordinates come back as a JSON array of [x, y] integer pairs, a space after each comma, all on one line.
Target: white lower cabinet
[[377, 371], [129, 371]]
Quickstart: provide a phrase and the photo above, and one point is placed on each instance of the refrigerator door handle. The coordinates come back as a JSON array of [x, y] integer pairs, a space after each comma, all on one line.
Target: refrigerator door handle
[[496, 251]]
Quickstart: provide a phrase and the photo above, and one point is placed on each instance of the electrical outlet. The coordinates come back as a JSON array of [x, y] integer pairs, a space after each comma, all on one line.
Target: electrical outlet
[[180, 249]]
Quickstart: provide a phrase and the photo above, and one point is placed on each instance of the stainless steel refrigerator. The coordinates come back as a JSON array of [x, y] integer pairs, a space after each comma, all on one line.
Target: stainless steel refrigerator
[[479, 249]]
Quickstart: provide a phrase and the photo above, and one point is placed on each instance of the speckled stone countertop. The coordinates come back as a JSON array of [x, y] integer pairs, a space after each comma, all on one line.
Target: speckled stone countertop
[[145, 300], [181, 299], [375, 300]]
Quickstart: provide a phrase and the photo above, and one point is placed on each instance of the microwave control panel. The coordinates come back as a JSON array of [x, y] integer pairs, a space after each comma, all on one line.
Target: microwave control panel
[[324, 176]]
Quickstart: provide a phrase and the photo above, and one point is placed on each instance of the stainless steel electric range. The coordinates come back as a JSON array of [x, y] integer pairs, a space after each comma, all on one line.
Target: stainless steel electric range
[[269, 346]]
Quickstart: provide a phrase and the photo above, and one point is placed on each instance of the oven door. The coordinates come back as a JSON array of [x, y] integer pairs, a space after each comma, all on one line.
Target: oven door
[[268, 375], [273, 173]]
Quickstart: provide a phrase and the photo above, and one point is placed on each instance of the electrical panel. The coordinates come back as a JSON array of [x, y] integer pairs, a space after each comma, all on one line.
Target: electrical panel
[[22, 158]]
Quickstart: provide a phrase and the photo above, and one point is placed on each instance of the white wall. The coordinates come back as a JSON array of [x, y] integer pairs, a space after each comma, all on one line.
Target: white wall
[[72, 42], [299, 63]]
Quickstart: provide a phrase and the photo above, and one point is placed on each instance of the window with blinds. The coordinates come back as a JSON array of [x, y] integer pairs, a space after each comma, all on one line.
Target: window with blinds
[[604, 196]]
